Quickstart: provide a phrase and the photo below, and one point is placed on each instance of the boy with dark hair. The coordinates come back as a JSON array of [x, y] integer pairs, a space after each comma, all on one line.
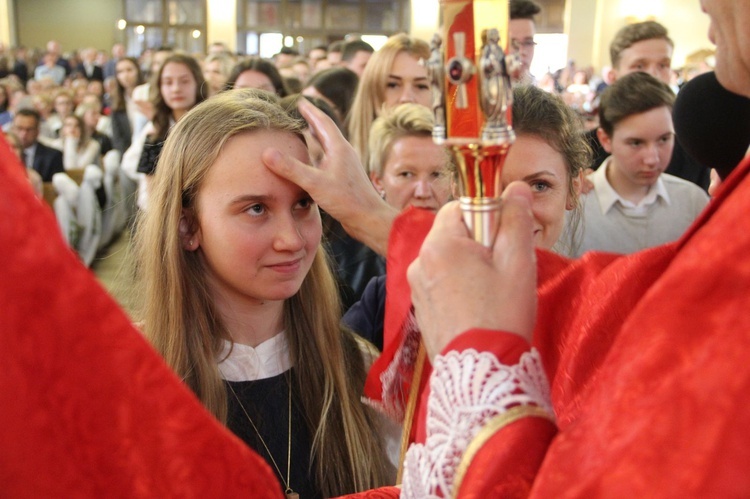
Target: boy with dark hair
[[643, 47], [635, 205], [521, 31], [316, 54], [334, 52], [285, 56], [646, 47], [355, 54]]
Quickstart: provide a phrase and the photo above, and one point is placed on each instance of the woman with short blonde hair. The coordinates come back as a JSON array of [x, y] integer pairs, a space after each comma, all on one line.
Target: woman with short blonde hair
[[407, 120]]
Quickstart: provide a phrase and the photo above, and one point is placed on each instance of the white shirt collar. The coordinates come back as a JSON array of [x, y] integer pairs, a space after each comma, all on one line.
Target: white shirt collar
[[246, 363], [608, 196], [28, 155]]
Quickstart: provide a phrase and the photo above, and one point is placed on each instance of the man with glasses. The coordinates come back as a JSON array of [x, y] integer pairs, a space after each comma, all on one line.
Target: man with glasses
[[45, 160], [521, 31]]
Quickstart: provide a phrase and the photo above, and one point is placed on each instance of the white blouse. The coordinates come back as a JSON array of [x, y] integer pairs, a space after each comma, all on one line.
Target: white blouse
[[246, 363]]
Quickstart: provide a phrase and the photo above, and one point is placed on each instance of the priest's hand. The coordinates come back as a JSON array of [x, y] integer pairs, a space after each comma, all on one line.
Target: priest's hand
[[338, 184], [457, 284]]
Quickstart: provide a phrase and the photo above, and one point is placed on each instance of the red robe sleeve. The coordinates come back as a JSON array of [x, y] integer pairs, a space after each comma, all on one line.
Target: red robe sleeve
[[488, 420], [87, 407], [653, 374], [646, 356], [389, 379]]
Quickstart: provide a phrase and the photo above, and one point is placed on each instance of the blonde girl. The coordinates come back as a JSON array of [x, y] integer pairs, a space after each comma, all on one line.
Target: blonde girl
[[394, 75], [240, 300]]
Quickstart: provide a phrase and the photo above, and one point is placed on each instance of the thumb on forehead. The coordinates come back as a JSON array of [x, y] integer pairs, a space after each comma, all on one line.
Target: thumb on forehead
[[287, 167]]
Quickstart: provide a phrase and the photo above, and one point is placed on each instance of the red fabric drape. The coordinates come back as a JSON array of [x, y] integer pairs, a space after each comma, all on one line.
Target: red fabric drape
[[87, 407], [647, 360]]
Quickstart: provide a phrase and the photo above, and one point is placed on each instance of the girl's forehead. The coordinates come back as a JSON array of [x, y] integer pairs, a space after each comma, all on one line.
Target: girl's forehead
[[174, 67]]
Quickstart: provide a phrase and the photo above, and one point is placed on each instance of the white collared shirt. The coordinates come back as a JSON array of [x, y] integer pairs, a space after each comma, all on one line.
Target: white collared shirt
[[608, 196], [28, 155], [614, 224], [246, 363]]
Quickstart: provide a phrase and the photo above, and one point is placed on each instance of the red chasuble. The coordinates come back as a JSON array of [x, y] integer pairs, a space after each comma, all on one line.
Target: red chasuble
[[87, 407], [647, 360]]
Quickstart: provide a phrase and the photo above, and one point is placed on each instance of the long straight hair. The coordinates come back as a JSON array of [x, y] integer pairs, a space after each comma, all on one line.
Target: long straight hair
[[119, 102], [371, 90], [183, 324], [162, 112]]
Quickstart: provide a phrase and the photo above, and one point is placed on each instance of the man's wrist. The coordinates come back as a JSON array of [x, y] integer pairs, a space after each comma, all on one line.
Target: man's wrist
[[372, 225], [507, 347]]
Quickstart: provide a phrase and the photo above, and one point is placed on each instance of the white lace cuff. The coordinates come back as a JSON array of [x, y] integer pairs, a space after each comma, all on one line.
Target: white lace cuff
[[398, 373], [467, 390]]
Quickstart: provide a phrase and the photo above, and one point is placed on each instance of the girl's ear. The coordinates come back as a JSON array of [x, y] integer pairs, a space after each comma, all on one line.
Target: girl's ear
[[189, 234], [573, 196]]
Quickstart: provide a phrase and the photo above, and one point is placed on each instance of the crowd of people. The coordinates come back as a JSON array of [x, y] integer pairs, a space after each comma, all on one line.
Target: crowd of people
[[268, 197]]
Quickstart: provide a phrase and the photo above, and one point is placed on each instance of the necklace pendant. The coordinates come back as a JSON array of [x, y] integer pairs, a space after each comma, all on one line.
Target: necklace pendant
[[292, 495]]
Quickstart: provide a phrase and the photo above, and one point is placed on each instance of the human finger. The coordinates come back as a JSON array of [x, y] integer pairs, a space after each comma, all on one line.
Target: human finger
[[514, 256], [290, 168], [321, 126], [448, 222], [516, 221]]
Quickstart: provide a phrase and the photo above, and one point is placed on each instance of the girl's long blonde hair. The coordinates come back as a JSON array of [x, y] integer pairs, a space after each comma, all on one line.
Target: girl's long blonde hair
[[183, 324], [371, 90]]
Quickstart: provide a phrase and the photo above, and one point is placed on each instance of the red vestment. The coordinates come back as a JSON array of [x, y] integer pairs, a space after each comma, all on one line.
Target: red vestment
[[646, 356], [87, 407], [647, 360]]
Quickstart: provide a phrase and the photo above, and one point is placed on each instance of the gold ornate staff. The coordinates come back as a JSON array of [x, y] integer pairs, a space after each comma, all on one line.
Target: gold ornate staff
[[472, 98]]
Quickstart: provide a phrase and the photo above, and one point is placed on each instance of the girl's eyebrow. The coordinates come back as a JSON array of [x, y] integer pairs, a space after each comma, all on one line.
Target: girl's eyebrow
[[418, 78], [539, 174], [245, 198]]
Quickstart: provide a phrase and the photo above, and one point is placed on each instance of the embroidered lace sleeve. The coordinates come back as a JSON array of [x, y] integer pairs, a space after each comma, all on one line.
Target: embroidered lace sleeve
[[398, 374], [468, 389]]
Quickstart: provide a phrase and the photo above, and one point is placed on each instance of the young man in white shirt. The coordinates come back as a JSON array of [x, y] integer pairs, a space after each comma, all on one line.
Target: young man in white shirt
[[647, 47], [635, 205]]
